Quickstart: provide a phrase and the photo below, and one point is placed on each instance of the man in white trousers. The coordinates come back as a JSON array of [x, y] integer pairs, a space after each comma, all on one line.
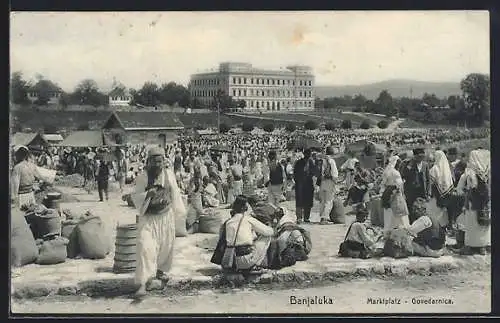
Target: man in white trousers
[[156, 226]]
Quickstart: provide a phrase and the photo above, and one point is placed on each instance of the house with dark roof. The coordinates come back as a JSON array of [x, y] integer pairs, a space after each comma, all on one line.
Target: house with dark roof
[[120, 97], [143, 127], [45, 90]]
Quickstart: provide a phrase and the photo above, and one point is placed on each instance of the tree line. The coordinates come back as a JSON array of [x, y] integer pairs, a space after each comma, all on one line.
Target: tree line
[[87, 92], [471, 107]]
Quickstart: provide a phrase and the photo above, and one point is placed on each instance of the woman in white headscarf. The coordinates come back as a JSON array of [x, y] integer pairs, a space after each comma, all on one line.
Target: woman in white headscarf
[[393, 200], [475, 185], [441, 187]]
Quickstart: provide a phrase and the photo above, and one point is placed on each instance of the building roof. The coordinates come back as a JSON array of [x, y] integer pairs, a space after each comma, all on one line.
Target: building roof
[[137, 120], [85, 138], [119, 91], [24, 138], [53, 137]]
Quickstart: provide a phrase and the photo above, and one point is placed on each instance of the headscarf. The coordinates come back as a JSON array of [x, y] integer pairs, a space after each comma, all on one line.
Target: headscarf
[[440, 173], [391, 175], [479, 164]]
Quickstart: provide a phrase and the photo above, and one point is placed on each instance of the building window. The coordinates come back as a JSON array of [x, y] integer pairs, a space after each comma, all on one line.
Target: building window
[[300, 83], [234, 92], [268, 81], [251, 81], [234, 80], [263, 94], [300, 93], [273, 81], [239, 92], [310, 83], [244, 80], [244, 92]]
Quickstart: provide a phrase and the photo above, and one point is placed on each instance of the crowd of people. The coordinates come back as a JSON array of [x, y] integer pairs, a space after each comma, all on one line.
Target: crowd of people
[[424, 197]]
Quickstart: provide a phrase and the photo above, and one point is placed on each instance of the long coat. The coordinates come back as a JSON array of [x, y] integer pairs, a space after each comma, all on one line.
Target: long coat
[[409, 175], [304, 183]]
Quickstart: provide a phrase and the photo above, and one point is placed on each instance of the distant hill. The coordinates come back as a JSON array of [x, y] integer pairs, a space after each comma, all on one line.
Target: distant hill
[[397, 88]]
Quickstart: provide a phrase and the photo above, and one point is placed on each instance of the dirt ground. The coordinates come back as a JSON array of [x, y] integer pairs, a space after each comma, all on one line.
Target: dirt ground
[[468, 292]]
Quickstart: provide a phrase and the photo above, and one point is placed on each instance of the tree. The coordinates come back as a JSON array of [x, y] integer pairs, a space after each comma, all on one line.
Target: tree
[[386, 104], [247, 127], [224, 128], [383, 124], [431, 100], [18, 89], [330, 126], [149, 95], [346, 124], [172, 93], [310, 125], [268, 127], [476, 93], [365, 124], [241, 104], [359, 101], [87, 93], [290, 127]]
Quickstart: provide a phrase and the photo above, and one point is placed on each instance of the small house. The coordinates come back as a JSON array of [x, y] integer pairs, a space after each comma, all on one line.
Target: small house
[[143, 127], [31, 140], [120, 97]]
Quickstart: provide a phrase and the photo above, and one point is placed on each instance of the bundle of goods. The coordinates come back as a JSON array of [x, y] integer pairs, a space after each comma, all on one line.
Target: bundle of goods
[[43, 222], [23, 249], [87, 236], [52, 251], [73, 180], [213, 220]]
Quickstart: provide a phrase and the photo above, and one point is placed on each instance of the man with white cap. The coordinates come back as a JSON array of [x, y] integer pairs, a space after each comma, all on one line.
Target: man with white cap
[[156, 223], [23, 177]]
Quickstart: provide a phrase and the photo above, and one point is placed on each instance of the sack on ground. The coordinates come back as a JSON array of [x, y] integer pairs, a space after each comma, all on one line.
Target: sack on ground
[[93, 239], [211, 223], [69, 232], [23, 248], [180, 225], [398, 244], [53, 251], [337, 214]]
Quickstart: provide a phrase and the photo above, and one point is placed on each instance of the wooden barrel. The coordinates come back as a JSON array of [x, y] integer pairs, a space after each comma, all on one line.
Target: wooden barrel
[[125, 249]]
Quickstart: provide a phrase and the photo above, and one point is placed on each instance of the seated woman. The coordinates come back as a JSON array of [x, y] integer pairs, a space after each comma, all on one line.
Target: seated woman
[[293, 243], [129, 179], [243, 241], [209, 195], [426, 237], [360, 240], [358, 193]]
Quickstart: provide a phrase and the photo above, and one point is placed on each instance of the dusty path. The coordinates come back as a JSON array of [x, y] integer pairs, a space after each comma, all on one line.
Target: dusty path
[[468, 292]]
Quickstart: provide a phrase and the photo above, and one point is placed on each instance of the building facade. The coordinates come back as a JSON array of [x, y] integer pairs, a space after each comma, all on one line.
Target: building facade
[[290, 89], [119, 97]]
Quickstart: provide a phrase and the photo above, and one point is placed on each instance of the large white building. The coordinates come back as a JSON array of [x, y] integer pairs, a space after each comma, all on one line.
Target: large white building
[[290, 89]]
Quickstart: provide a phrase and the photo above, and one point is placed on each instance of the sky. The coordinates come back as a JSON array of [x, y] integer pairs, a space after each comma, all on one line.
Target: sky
[[343, 48]]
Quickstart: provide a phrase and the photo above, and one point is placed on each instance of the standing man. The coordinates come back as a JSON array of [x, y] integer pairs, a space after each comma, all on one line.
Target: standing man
[[24, 175], [329, 175], [156, 227], [102, 178], [122, 169], [416, 180], [304, 172], [276, 179]]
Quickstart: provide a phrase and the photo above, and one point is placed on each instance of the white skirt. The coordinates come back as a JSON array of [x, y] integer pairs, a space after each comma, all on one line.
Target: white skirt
[[476, 235], [437, 213]]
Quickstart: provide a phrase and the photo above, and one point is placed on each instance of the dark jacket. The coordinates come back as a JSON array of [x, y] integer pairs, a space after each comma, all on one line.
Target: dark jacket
[[102, 173], [410, 173]]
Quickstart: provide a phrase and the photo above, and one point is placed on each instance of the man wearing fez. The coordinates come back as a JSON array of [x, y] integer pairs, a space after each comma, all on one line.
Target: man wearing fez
[[416, 180], [156, 223]]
